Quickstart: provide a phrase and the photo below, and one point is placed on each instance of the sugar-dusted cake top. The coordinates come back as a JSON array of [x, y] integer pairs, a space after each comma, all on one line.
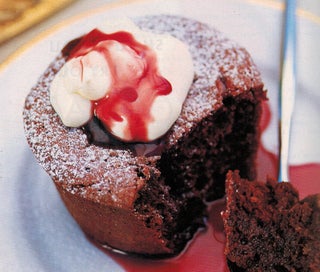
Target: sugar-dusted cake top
[[222, 68]]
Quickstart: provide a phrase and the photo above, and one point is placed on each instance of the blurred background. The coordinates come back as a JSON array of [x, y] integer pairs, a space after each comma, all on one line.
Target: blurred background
[[22, 20]]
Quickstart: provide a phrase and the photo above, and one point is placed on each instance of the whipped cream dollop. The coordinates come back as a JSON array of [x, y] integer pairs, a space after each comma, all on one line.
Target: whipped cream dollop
[[134, 81]]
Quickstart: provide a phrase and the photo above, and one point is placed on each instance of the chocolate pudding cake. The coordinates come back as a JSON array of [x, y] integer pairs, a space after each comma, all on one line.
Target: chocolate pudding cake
[[268, 228], [150, 197]]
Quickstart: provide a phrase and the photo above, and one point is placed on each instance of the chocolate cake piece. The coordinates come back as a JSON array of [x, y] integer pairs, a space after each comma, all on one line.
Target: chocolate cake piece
[[268, 228], [152, 204]]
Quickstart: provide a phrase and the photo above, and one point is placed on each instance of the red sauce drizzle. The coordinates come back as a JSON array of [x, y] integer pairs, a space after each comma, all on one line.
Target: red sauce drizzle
[[131, 97], [205, 252]]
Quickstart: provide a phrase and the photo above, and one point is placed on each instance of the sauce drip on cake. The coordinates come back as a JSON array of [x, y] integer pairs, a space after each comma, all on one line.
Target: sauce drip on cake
[[134, 86], [128, 85]]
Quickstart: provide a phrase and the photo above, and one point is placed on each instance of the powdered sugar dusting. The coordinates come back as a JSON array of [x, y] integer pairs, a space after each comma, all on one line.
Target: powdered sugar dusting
[[215, 58], [65, 152], [109, 174]]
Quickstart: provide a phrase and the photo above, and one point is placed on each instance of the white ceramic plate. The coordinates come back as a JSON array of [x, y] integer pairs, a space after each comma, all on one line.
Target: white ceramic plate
[[37, 233]]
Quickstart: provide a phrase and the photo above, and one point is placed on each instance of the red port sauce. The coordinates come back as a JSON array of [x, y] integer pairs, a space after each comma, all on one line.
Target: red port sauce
[[133, 90], [205, 253]]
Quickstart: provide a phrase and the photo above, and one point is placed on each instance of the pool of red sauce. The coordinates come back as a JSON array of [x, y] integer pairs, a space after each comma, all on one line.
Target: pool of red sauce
[[205, 252]]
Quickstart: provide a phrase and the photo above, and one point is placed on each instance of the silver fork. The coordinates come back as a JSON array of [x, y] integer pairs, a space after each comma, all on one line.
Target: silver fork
[[287, 89]]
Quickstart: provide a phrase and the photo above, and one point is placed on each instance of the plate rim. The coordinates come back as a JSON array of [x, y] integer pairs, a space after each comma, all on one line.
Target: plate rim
[[271, 4]]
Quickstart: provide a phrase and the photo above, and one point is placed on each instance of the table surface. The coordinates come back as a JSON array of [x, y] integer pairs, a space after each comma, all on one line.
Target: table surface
[[309, 7]]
